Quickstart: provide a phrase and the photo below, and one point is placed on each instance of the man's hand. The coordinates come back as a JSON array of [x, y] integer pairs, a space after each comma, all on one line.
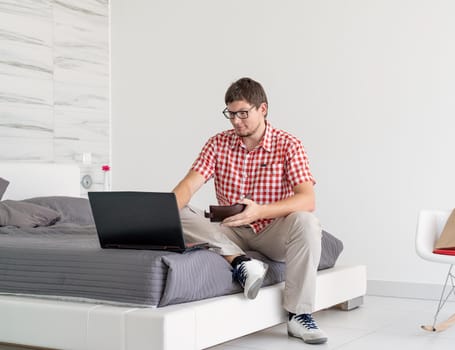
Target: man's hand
[[302, 200], [251, 213]]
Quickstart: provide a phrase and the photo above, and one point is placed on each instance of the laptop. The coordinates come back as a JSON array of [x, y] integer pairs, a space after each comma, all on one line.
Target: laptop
[[139, 220]]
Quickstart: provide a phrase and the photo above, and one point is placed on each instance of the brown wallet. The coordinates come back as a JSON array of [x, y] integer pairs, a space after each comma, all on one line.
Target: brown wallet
[[218, 213]]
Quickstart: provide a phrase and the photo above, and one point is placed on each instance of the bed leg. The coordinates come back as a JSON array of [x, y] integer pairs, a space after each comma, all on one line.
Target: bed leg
[[351, 304]]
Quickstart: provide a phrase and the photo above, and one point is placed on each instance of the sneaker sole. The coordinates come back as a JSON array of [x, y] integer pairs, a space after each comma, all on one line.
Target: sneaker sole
[[309, 341], [254, 289], [256, 286]]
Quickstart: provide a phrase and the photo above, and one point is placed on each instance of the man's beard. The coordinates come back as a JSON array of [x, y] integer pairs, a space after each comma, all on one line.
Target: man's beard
[[247, 133], [244, 134]]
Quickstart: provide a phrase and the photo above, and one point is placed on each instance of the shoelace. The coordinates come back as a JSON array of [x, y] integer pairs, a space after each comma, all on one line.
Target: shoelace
[[239, 274], [306, 320]]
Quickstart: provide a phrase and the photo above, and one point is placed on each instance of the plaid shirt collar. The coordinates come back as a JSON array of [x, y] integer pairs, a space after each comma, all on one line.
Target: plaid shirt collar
[[265, 143]]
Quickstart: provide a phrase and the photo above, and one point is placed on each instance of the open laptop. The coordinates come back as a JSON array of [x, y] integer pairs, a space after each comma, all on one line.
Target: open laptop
[[139, 220]]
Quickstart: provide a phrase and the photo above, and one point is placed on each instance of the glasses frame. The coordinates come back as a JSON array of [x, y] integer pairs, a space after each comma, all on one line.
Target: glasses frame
[[231, 115]]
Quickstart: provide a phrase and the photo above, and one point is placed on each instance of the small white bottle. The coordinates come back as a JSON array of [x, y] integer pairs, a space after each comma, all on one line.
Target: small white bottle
[[107, 177]]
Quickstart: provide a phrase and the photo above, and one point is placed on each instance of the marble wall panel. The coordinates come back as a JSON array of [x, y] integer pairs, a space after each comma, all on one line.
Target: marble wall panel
[[33, 122], [26, 132], [27, 8], [86, 132], [81, 39], [54, 81], [81, 81], [26, 149], [69, 95], [26, 81]]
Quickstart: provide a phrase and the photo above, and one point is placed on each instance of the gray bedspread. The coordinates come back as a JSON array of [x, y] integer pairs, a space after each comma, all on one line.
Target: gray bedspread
[[66, 261]]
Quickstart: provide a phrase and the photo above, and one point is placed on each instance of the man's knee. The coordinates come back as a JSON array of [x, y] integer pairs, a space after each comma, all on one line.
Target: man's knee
[[305, 219], [305, 225]]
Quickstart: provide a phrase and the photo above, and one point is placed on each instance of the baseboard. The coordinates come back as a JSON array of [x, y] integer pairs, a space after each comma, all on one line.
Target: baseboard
[[404, 289]]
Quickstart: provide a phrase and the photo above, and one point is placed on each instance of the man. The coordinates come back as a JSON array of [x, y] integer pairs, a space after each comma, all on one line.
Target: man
[[267, 170]]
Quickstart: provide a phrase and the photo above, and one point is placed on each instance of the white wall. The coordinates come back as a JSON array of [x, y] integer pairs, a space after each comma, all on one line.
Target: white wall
[[367, 85]]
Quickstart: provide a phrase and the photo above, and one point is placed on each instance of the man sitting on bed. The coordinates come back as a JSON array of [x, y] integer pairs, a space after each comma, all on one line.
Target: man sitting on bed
[[267, 170]]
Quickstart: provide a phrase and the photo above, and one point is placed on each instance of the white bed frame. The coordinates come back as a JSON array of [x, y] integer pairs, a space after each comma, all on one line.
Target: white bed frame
[[196, 325]]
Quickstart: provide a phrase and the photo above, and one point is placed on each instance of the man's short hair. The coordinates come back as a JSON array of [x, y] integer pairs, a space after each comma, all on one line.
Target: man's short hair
[[248, 90]]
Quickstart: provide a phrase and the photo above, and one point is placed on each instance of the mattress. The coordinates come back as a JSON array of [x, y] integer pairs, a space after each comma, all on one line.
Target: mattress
[[65, 261], [49, 248]]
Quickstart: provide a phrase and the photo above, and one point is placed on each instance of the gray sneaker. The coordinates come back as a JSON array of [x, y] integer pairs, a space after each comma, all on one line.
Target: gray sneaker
[[303, 326], [250, 274]]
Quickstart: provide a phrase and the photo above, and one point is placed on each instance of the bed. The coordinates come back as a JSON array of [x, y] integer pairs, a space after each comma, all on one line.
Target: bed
[[64, 320]]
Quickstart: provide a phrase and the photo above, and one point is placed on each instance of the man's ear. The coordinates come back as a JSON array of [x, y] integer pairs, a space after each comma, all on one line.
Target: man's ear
[[264, 108]]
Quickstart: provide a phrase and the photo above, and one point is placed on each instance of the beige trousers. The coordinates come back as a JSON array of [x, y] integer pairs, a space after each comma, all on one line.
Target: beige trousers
[[294, 240]]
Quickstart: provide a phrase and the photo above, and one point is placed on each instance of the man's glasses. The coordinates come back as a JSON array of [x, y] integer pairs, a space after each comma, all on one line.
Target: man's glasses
[[239, 114]]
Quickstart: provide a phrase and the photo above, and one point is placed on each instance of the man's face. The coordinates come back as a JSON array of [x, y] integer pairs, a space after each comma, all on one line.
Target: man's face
[[251, 125]]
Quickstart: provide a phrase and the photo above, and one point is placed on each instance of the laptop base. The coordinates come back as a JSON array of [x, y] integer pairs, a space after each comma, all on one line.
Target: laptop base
[[175, 249]]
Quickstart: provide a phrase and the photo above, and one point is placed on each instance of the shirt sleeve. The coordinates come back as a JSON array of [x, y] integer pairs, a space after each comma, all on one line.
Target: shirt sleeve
[[298, 166], [206, 161]]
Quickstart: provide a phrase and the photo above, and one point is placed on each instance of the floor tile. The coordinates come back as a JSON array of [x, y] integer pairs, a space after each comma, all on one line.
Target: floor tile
[[384, 340], [380, 322]]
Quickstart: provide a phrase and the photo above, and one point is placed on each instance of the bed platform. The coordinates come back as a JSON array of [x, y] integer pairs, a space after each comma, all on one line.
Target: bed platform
[[81, 325], [195, 325]]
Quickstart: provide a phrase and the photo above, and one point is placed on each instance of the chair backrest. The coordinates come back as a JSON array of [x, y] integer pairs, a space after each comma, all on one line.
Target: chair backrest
[[429, 227]]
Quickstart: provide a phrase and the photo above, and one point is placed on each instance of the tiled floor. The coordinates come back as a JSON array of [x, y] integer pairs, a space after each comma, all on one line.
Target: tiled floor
[[381, 323]]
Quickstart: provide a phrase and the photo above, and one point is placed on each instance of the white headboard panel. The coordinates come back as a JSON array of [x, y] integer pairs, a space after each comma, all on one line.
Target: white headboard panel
[[40, 179]]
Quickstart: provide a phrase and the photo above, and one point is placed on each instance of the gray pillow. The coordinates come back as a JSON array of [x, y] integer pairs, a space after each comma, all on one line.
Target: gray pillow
[[73, 210], [211, 274], [20, 214], [331, 250], [3, 186]]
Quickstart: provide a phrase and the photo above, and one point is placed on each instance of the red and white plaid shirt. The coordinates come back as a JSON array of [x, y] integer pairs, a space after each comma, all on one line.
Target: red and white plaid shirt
[[266, 174]]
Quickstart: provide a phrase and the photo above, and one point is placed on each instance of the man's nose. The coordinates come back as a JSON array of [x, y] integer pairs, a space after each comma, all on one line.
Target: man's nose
[[236, 119]]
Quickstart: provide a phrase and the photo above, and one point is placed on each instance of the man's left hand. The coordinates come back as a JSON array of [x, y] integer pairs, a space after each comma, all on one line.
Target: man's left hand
[[251, 213]]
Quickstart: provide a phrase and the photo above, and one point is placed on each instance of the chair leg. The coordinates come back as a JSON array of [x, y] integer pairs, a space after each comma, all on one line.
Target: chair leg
[[443, 298]]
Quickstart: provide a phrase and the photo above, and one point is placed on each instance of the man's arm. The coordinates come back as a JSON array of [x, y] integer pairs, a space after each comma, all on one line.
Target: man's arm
[[186, 188], [302, 200]]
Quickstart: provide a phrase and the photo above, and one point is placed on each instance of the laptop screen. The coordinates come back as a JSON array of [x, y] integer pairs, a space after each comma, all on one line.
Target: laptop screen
[[137, 218]]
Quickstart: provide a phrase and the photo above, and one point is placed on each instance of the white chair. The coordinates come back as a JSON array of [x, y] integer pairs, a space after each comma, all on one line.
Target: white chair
[[429, 227]]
